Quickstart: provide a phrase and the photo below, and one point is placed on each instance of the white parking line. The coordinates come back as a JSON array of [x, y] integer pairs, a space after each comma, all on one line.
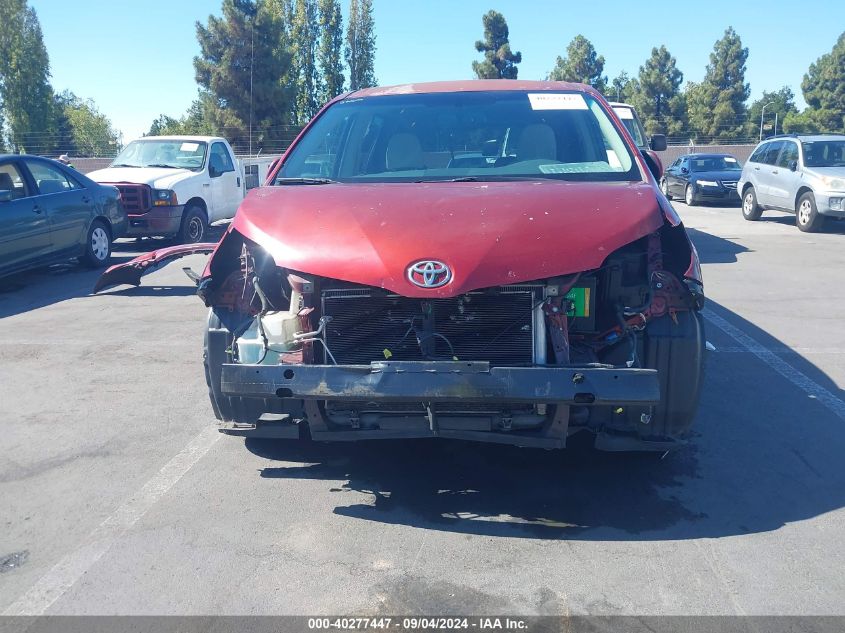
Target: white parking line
[[797, 378], [73, 566]]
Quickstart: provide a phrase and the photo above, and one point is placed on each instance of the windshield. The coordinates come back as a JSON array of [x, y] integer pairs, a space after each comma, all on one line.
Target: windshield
[[715, 163], [163, 153], [462, 136], [824, 153], [626, 115]]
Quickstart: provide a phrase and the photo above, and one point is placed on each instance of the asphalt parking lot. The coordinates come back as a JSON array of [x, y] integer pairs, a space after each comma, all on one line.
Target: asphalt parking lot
[[119, 497]]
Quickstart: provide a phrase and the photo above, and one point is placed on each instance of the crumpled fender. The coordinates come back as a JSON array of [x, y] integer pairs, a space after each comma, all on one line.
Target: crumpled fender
[[131, 272]]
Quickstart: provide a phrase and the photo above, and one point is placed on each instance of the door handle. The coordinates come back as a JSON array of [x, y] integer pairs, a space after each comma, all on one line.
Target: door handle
[[774, 171], [206, 184], [239, 182], [756, 169], [86, 199], [36, 208]]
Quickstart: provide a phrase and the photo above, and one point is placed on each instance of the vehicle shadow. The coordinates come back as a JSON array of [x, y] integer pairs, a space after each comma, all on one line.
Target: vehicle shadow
[[831, 226], [45, 286], [764, 454], [713, 249]]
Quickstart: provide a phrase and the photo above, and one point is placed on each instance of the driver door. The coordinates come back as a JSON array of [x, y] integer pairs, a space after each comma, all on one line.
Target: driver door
[[24, 223], [225, 183]]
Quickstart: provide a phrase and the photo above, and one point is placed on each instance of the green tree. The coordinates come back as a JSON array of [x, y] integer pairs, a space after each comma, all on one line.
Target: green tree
[[329, 52], [716, 106], [824, 90], [360, 48], [780, 102], [621, 88], [244, 69], [25, 89], [582, 65], [2, 130], [657, 95], [303, 38], [499, 61], [165, 125], [92, 131]]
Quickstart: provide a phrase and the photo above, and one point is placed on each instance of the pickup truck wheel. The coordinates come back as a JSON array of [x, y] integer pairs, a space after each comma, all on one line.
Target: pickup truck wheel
[[194, 226], [98, 245], [750, 209], [807, 216]]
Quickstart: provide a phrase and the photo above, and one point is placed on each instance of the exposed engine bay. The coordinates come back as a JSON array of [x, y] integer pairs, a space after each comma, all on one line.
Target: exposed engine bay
[[636, 311]]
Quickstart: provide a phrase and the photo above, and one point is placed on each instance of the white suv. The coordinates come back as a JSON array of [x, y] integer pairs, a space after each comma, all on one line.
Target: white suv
[[801, 174]]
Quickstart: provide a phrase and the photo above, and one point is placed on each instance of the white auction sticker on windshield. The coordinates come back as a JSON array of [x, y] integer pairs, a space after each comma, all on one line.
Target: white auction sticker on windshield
[[728, 159], [624, 113], [556, 101], [189, 147]]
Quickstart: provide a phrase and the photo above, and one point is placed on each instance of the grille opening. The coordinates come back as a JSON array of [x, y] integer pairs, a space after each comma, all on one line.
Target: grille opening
[[494, 325]]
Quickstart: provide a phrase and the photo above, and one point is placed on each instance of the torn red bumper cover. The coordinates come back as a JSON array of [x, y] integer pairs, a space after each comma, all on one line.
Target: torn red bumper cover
[[130, 272]]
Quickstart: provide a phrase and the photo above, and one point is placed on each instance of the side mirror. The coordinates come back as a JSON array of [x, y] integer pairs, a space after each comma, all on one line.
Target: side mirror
[[684, 170], [793, 165], [5, 195], [653, 163], [213, 172], [657, 142]]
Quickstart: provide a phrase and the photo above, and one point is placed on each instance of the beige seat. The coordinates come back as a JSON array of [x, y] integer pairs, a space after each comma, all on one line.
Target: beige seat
[[537, 141], [404, 152]]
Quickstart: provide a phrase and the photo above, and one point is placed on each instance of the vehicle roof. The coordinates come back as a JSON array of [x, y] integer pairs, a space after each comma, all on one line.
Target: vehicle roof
[[471, 85], [13, 156], [180, 137], [707, 155], [805, 137]]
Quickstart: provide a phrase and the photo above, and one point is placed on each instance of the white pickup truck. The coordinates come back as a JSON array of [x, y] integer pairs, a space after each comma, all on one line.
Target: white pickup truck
[[176, 186]]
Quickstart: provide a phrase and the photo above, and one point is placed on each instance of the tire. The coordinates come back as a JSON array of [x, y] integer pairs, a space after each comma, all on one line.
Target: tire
[[194, 226], [807, 216], [216, 352], [751, 211], [664, 187], [689, 196], [97, 245]]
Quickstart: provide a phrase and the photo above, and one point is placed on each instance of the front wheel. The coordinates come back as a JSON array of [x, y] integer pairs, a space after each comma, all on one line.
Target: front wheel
[[750, 209], [194, 226], [98, 245], [664, 187], [807, 216], [689, 196]]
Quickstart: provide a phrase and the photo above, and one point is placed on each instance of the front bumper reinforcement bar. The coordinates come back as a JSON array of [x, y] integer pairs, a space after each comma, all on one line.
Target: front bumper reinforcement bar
[[444, 381]]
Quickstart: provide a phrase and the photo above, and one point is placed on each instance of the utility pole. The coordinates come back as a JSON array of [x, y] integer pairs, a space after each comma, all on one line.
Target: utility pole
[[761, 118]]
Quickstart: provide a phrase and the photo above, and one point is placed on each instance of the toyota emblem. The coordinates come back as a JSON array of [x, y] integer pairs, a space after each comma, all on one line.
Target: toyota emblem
[[429, 273]]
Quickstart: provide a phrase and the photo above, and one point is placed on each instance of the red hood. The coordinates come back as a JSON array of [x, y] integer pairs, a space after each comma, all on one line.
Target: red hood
[[488, 233]]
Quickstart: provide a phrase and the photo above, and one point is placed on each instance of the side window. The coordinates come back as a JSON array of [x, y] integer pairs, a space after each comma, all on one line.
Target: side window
[[788, 154], [220, 158], [772, 151], [757, 155], [50, 179], [12, 180]]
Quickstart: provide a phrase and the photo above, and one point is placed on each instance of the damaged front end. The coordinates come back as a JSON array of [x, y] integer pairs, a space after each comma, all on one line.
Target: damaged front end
[[616, 351]]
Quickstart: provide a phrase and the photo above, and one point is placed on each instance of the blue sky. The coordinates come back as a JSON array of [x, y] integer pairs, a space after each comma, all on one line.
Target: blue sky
[[135, 58]]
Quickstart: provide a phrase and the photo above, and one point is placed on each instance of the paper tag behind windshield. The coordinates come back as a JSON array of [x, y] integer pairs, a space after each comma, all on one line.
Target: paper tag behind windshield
[[556, 101]]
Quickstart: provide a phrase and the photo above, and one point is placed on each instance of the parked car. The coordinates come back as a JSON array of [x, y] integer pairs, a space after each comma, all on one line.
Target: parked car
[[801, 174], [175, 186], [51, 213], [549, 291], [649, 145], [702, 178]]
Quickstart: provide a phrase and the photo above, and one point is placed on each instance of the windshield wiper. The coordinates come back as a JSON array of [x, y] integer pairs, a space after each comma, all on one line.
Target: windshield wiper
[[459, 179], [165, 166], [123, 165], [304, 181]]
